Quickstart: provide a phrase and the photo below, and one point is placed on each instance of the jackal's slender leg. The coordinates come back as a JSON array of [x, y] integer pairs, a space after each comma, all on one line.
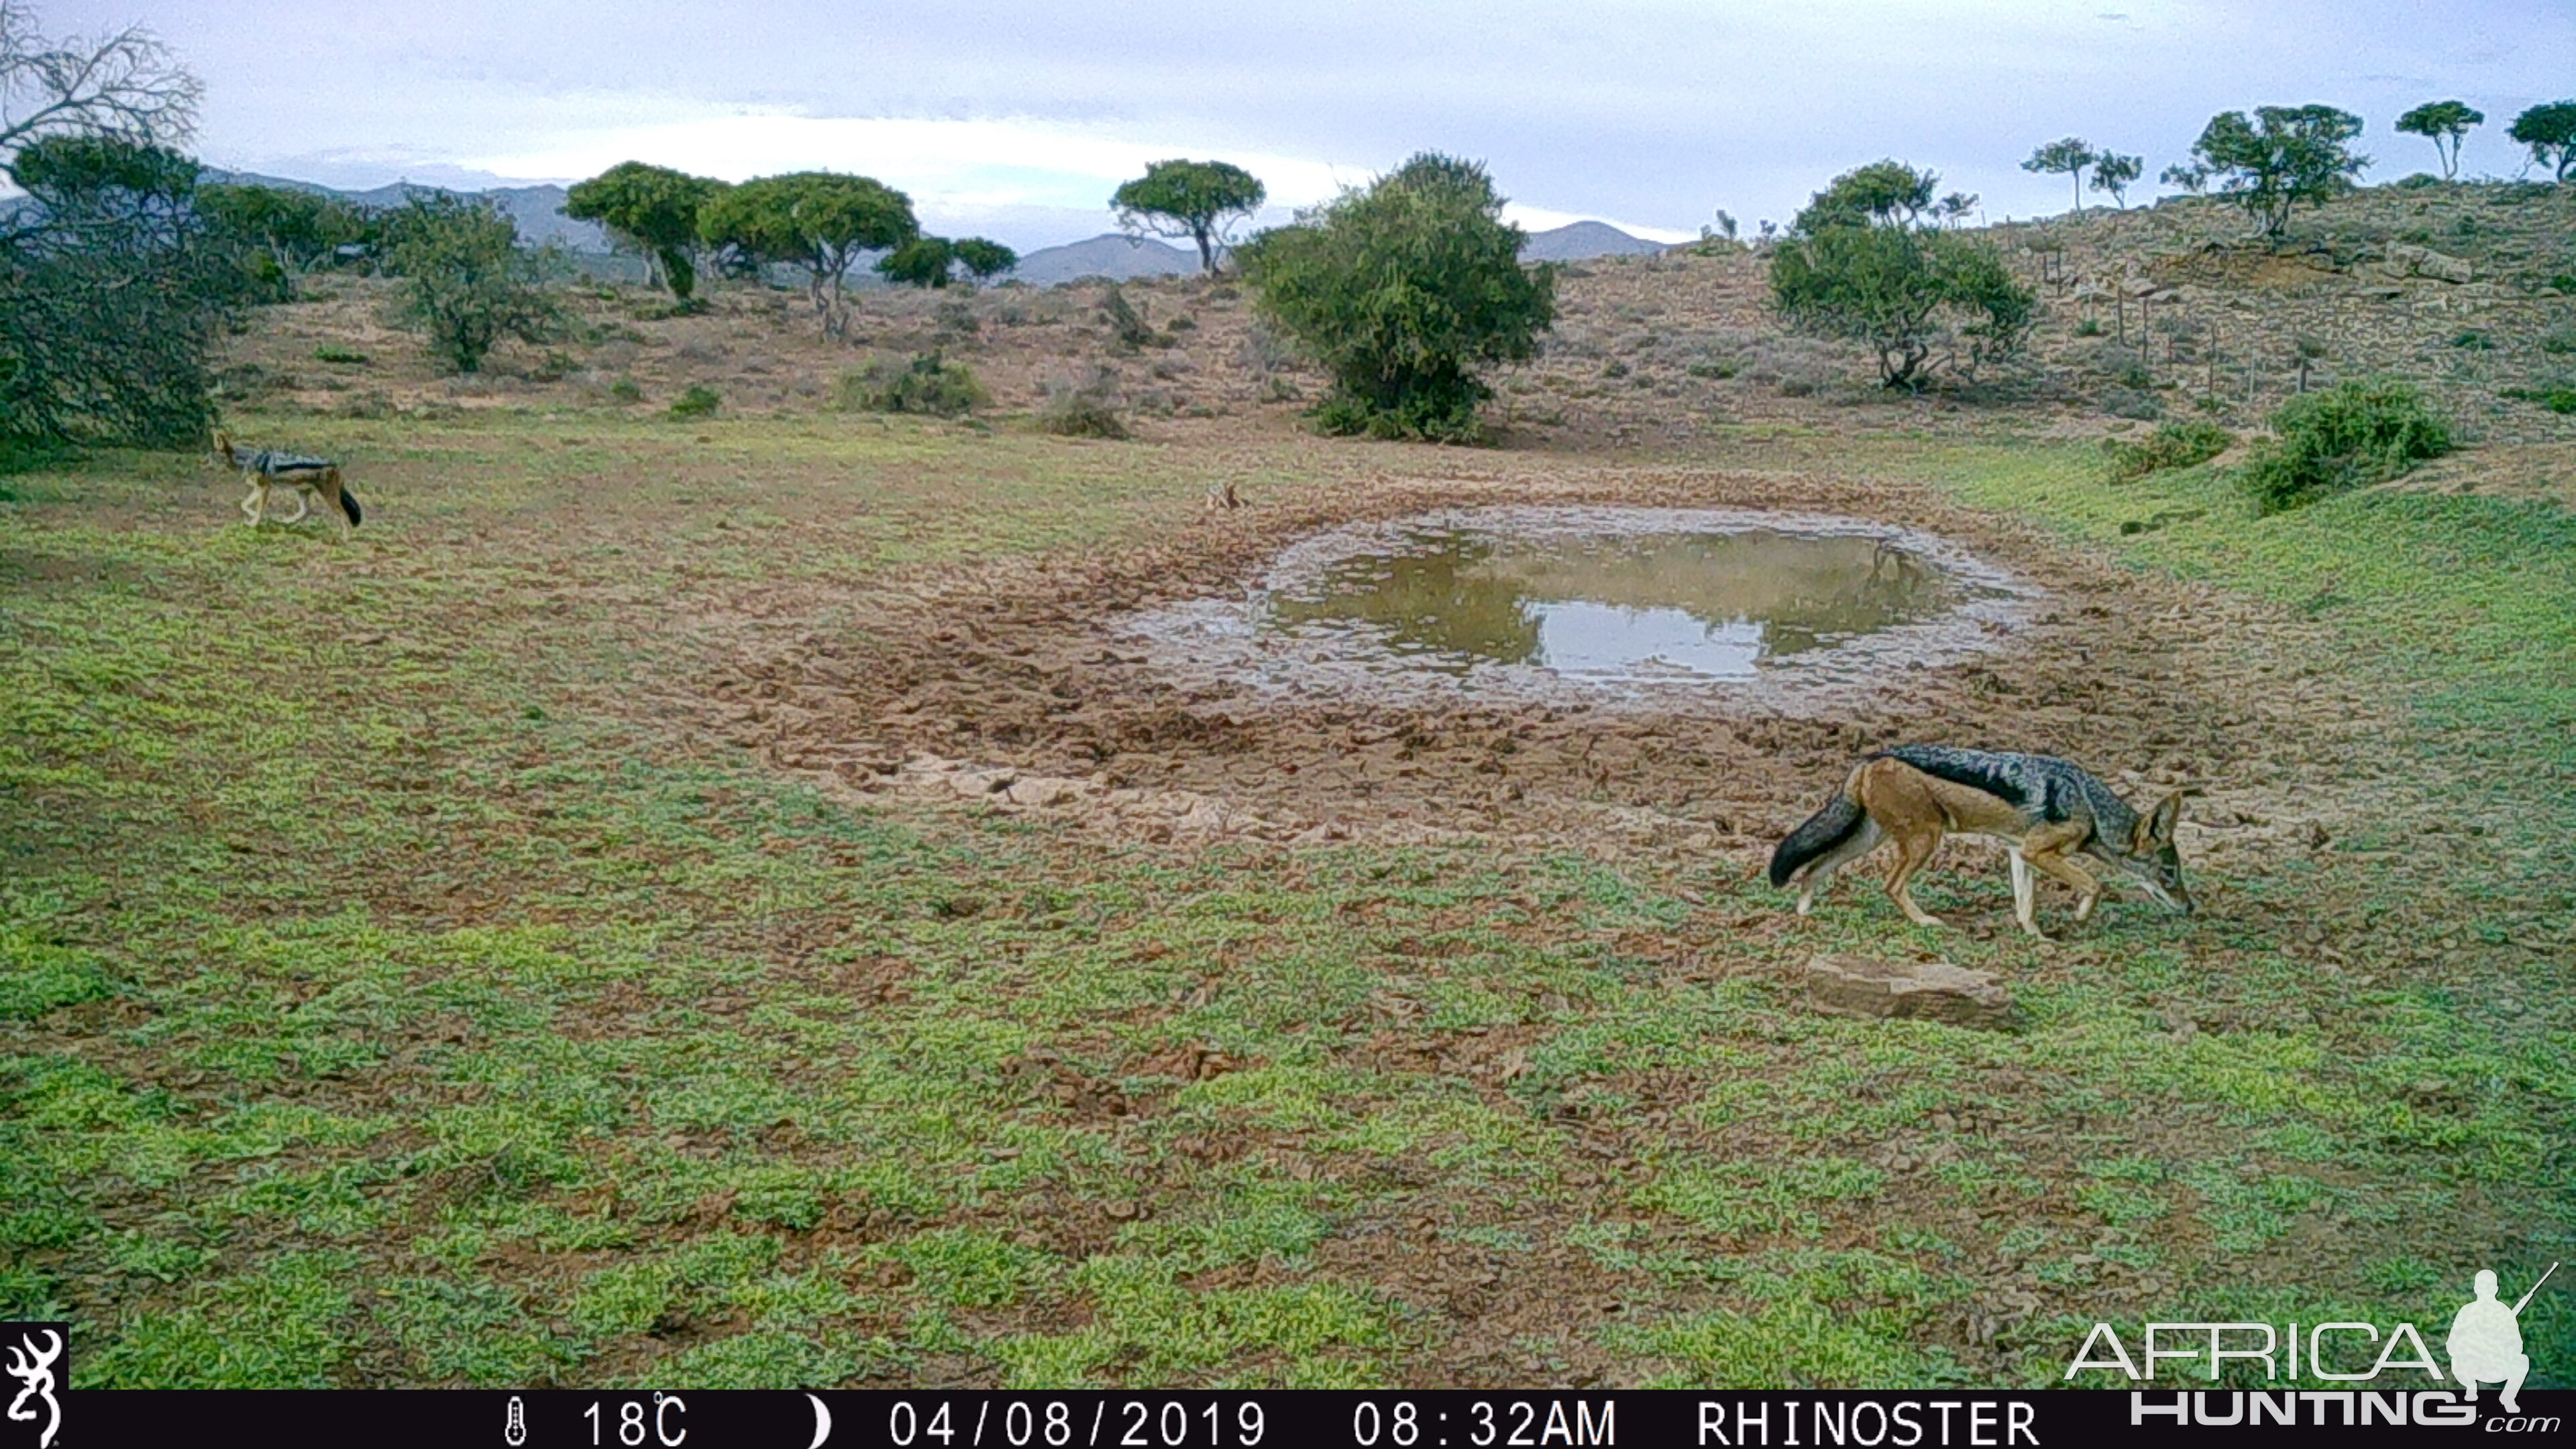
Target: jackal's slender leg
[[2025, 894], [1913, 851], [254, 502], [302, 506], [2088, 891]]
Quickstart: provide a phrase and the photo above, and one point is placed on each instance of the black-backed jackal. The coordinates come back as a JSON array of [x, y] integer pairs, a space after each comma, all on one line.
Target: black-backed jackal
[[310, 478], [2045, 811]]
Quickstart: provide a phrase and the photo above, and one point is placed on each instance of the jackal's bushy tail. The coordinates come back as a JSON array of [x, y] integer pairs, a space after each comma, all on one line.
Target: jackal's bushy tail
[[1823, 831], [349, 505]]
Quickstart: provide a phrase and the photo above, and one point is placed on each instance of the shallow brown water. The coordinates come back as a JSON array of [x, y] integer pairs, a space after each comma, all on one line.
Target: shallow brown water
[[1716, 605]]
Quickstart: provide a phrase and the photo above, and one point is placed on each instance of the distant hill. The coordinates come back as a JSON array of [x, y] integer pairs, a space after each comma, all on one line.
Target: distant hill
[[538, 210], [1577, 240], [1110, 254]]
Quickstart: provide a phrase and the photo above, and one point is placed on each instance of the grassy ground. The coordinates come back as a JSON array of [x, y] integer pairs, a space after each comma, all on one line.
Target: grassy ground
[[392, 990]]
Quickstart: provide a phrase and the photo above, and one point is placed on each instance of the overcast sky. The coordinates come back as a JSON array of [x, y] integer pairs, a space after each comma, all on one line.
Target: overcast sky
[[1015, 118]]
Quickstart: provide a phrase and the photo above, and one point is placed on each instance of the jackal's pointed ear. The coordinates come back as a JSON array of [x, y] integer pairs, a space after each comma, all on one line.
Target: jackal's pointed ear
[[2157, 829]]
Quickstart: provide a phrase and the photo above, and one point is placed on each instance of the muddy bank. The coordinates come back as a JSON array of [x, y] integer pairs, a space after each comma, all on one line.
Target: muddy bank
[[1029, 667]]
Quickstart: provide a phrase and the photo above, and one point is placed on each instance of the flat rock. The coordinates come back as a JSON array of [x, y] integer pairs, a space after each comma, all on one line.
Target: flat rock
[[1931, 990]]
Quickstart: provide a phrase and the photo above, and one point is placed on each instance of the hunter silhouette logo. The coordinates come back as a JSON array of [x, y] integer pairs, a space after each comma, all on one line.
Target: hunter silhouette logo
[[33, 1367], [2486, 1341]]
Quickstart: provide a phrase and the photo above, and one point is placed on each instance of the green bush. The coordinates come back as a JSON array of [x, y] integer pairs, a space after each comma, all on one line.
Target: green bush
[[2349, 436], [697, 402], [2473, 340], [333, 352], [1867, 261], [1403, 291], [2559, 339], [2558, 397], [625, 390], [926, 384], [2175, 445], [468, 283]]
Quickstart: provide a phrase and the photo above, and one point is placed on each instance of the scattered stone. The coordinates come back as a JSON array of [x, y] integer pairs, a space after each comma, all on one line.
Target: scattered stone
[[1930, 990], [2405, 260]]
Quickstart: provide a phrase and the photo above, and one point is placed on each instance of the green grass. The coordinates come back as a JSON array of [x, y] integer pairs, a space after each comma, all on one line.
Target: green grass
[[383, 999]]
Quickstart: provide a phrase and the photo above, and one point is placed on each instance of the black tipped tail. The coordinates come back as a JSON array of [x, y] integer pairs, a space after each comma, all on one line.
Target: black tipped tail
[[349, 505], [1827, 828]]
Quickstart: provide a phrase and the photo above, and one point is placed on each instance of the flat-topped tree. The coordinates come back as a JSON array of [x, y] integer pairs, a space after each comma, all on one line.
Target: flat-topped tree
[[2550, 131], [2066, 157], [2281, 157], [2444, 123], [983, 258], [653, 209], [1882, 193], [816, 221], [1193, 199], [924, 261], [2115, 174]]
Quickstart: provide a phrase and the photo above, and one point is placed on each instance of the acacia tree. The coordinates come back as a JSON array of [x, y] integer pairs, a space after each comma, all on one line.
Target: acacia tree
[[816, 221], [924, 261], [110, 297], [109, 292], [2285, 155], [124, 84], [653, 209], [1882, 193], [2067, 157], [2550, 131], [1193, 199], [298, 231], [983, 258], [2115, 173], [2191, 177], [1402, 291], [1859, 267], [2444, 123]]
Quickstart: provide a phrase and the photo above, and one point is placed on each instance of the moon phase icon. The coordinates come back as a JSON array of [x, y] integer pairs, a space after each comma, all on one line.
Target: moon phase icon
[[822, 1422]]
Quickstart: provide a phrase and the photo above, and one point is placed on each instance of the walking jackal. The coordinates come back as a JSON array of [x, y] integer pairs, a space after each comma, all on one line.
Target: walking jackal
[[309, 477], [2045, 811]]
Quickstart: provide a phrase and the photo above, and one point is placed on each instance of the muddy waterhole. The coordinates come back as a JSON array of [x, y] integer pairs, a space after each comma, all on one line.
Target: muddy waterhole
[[1596, 601]]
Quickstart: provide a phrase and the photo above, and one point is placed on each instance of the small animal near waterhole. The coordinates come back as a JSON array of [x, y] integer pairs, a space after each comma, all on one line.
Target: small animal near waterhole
[[2052, 816]]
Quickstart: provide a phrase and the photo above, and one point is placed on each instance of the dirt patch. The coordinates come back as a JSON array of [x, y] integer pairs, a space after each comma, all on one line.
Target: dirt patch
[[1009, 688]]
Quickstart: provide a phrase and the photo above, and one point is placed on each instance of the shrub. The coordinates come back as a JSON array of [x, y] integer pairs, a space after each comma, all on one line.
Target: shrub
[[625, 390], [927, 384], [2348, 436], [1126, 324], [2557, 397], [468, 282], [2472, 340], [697, 402], [1403, 291], [2131, 402], [2559, 340], [333, 352], [2175, 445], [1083, 410]]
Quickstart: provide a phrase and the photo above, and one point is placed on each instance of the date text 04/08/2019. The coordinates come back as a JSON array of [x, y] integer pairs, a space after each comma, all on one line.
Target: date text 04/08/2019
[[1112, 1422]]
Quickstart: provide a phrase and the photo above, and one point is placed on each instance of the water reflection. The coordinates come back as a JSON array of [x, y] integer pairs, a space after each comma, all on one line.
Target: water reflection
[[1711, 605]]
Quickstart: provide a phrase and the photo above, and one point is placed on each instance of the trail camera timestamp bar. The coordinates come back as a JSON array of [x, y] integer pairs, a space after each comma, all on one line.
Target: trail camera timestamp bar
[[1252, 1419], [1248, 1422]]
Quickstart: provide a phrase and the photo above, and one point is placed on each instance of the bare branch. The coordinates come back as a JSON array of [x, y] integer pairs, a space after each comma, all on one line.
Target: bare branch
[[124, 84]]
